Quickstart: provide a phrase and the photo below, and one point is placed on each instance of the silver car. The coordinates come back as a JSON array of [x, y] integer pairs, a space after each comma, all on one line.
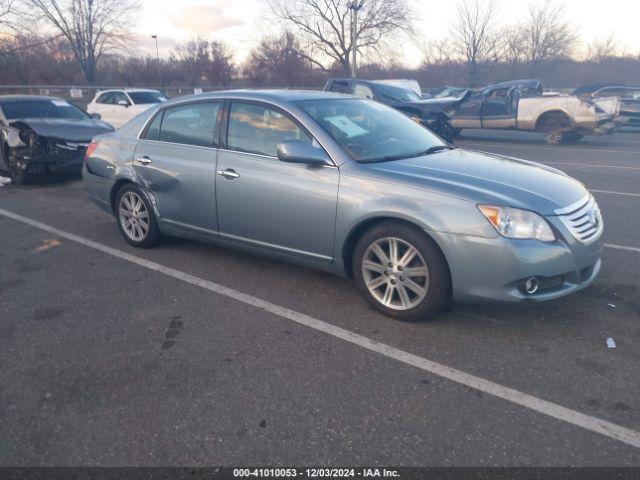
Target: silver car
[[352, 187]]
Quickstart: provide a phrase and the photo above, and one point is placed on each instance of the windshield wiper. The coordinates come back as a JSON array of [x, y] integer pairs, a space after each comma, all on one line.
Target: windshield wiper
[[428, 151]]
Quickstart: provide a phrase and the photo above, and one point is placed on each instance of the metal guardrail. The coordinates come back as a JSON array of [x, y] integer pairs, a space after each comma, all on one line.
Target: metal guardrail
[[82, 95]]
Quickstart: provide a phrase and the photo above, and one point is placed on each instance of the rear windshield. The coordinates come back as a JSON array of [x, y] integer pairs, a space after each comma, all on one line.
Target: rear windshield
[[14, 109], [147, 97]]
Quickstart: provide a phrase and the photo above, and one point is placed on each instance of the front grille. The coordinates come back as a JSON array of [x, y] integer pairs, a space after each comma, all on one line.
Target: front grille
[[583, 219]]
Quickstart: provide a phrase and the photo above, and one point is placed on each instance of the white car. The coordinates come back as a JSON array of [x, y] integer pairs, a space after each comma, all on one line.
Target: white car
[[117, 107]]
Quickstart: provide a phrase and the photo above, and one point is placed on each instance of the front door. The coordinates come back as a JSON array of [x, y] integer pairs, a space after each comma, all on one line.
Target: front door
[[468, 114], [269, 203], [176, 161], [499, 108]]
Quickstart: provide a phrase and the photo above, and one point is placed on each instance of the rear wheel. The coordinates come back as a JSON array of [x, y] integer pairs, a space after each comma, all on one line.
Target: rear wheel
[[136, 220], [556, 125], [401, 272]]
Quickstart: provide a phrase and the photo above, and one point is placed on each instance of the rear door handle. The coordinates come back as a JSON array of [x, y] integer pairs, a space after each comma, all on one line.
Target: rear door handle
[[228, 173], [144, 160]]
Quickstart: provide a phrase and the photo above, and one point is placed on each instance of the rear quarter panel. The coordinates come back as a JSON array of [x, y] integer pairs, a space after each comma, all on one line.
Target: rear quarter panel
[[582, 115]]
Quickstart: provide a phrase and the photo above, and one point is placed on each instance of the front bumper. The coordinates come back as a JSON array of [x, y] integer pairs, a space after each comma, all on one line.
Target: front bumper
[[495, 269]]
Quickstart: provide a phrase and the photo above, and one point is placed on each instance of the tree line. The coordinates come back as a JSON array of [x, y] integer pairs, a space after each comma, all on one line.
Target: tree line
[[87, 42]]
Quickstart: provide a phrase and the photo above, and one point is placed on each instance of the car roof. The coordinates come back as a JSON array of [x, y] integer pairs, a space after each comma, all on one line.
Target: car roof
[[528, 82], [281, 95], [586, 89], [26, 98]]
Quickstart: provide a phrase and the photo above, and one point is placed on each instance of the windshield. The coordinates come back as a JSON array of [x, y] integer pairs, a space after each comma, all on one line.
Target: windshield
[[450, 92], [147, 97], [397, 93], [14, 109], [370, 131]]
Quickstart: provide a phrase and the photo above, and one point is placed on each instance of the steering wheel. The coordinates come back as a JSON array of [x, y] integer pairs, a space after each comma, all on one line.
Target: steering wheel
[[385, 137]]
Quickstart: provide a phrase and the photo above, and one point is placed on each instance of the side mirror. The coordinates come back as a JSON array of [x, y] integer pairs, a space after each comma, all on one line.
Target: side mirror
[[123, 103], [296, 151], [96, 115]]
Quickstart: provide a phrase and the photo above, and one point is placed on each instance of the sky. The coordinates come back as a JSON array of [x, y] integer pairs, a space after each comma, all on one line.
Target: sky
[[241, 23]]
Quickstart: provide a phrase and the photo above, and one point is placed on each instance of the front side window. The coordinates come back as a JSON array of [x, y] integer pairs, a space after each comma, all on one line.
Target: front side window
[[369, 131], [259, 129], [193, 124], [363, 91], [107, 98], [120, 97]]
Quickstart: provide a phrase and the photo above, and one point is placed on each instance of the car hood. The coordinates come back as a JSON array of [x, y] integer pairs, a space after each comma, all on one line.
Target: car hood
[[433, 104], [74, 130], [487, 178]]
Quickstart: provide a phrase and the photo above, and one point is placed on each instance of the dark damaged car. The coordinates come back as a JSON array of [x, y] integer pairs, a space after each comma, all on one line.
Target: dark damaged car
[[44, 135], [629, 99], [403, 96]]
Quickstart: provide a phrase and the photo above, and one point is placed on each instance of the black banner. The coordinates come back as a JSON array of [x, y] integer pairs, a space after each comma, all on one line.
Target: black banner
[[235, 473]]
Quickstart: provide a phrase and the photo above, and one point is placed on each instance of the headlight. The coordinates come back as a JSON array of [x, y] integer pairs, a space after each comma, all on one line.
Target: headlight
[[516, 223]]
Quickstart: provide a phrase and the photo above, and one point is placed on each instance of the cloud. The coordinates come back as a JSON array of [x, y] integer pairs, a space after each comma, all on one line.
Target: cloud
[[204, 19]]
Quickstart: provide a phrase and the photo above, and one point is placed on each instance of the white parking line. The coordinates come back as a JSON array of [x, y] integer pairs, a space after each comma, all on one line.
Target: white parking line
[[593, 424], [549, 147], [622, 247], [609, 192], [591, 165]]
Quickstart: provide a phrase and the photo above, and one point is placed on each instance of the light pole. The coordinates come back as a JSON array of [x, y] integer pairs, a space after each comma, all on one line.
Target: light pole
[[354, 7], [155, 37]]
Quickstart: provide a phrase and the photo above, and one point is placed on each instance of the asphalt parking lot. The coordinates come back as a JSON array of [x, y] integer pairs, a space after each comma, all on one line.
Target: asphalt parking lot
[[189, 354]]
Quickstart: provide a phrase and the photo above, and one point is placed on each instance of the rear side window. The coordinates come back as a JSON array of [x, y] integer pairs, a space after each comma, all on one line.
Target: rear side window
[[193, 124], [259, 129], [106, 98], [153, 132]]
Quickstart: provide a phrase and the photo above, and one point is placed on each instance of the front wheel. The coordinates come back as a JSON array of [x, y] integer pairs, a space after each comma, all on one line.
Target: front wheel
[[401, 272], [136, 220]]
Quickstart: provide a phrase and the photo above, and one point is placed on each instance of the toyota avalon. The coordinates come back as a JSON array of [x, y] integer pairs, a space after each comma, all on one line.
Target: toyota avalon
[[352, 187]]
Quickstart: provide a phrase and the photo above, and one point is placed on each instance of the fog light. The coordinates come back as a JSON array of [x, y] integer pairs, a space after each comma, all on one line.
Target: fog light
[[531, 286]]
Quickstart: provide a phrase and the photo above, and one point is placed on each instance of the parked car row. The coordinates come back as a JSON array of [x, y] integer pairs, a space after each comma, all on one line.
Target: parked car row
[[513, 105]]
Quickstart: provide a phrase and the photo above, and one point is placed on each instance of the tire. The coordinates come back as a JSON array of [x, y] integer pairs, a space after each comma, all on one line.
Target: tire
[[570, 137], [19, 176], [382, 286], [135, 217]]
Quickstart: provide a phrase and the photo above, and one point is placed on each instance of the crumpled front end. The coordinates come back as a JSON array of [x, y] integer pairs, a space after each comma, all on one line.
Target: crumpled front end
[[30, 153]]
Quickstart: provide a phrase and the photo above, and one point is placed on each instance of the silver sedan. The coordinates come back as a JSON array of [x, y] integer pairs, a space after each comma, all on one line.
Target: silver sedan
[[352, 187]]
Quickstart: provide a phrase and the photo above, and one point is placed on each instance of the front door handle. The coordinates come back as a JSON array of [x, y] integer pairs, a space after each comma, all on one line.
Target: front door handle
[[144, 160], [228, 173]]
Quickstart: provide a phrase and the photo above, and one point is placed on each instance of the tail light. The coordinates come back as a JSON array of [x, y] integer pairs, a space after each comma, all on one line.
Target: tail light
[[90, 149]]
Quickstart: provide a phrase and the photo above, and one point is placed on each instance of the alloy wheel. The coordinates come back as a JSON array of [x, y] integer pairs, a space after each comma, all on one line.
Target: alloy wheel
[[133, 216], [395, 273]]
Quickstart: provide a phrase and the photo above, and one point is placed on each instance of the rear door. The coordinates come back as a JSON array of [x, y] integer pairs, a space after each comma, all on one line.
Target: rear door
[[269, 203], [176, 161]]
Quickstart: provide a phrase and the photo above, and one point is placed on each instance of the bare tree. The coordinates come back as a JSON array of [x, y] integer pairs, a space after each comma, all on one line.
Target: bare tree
[[546, 34], [475, 37], [5, 12], [278, 61], [206, 62], [603, 48], [324, 26], [92, 27]]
